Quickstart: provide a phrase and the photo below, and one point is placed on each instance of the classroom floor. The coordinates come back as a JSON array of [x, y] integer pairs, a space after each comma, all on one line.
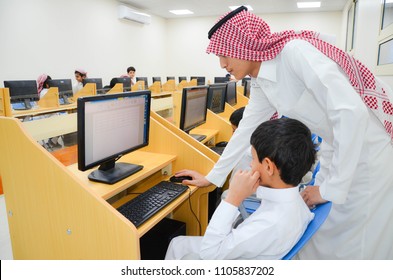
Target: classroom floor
[[5, 241]]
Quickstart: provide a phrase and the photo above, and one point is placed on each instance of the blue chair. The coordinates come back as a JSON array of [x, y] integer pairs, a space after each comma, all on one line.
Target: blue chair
[[321, 212]]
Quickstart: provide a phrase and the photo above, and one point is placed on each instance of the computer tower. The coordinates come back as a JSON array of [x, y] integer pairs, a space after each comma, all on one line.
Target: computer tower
[[155, 242]]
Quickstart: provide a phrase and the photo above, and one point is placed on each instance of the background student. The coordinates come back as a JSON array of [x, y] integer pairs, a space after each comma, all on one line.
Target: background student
[[282, 153], [80, 75], [131, 72]]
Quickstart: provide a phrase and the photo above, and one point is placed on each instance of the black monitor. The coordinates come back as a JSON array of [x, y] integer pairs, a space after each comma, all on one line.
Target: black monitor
[[216, 97], [65, 89], [193, 108], [245, 79], [110, 126], [23, 92], [221, 79], [97, 81], [231, 97], [170, 78], [142, 79], [200, 80], [247, 88], [156, 79], [182, 78], [126, 81]]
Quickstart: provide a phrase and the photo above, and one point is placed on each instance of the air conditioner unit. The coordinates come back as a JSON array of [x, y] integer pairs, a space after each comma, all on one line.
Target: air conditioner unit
[[130, 14]]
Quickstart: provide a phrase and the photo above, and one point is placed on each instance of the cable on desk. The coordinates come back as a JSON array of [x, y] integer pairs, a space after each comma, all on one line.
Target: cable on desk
[[192, 211]]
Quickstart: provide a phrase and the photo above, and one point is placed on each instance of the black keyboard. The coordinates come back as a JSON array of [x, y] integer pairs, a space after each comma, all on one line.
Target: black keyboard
[[218, 150], [198, 137], [145, 205]]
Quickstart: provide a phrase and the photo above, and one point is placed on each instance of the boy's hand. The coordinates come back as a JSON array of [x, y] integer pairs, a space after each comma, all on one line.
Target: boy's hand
[[242, 185]]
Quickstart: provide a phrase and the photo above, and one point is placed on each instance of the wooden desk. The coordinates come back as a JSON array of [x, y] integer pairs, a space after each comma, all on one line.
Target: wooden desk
[[55, 213]]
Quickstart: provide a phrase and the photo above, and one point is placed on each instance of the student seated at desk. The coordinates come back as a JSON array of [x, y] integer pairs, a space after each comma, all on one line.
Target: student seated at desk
[[80, 75], [131, 71], [42, 87], [42, 84], [282, 153]]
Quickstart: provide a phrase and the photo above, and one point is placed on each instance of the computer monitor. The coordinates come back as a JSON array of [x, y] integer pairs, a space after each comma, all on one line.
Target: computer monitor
[[170, 78], [97, 81], [245, 79], [110, 126], [22, 91], [216, 97], [221, 79], [143, 79], [231, 97], [247, 88], [200, 80], [65, 89], [182, 78], [156, 79], [193, 108], [126, 81]]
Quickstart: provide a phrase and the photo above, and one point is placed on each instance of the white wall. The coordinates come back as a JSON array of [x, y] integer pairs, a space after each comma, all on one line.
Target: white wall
[[187, 39], [57, 36]]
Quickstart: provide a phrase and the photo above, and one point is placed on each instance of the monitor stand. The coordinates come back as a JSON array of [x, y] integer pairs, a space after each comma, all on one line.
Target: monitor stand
[[27, 103], [66, 100], [111, 172]]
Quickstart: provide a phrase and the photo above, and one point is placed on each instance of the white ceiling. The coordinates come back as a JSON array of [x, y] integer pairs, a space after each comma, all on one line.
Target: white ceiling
[[203, 8]]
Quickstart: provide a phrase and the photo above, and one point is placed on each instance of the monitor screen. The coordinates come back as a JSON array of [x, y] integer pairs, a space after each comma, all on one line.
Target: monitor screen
[[193, 107], [221, 79], [156, 79], [216, 97], [247, 88], [126, 81], [182, 78], [143, 79], [65, 89], [200, 80], [170, 78], [231, 97], [245, 79], [110, 126], [23, 91]]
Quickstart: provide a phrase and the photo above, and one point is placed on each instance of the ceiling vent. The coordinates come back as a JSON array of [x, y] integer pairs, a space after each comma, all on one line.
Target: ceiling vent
[[130, 14]]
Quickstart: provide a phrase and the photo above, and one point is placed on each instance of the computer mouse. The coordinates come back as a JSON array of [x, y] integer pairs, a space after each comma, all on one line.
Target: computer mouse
[[179, 179], [222, 144]]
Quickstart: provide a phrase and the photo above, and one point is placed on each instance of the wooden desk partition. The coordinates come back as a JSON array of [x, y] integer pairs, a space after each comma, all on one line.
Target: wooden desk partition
[[242, 101], [155, 87], [5, 103], [88, 90], [54, 212], [139, 85], [169, 86], [116, 89], [50, 99]]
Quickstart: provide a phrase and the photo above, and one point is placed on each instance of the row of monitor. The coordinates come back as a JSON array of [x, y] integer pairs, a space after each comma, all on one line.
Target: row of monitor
[[123, 120], [25, 91]]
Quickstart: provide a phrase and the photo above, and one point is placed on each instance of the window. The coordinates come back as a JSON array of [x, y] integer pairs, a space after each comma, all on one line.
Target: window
[[385, 40], [351, 26]]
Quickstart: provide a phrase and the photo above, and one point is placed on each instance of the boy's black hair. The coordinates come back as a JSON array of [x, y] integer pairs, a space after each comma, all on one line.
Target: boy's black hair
[[286, 142], [131, 68], [236, 116]]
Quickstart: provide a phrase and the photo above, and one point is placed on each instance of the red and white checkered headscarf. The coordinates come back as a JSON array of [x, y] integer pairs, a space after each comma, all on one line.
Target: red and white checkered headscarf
[[246, 36], [40, 82]]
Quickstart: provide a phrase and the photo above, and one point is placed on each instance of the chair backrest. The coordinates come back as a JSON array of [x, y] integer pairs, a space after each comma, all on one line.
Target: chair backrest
[[321, 212]]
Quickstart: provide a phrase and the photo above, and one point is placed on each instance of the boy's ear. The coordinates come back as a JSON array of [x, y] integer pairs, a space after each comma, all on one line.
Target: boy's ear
[[269, 166]]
